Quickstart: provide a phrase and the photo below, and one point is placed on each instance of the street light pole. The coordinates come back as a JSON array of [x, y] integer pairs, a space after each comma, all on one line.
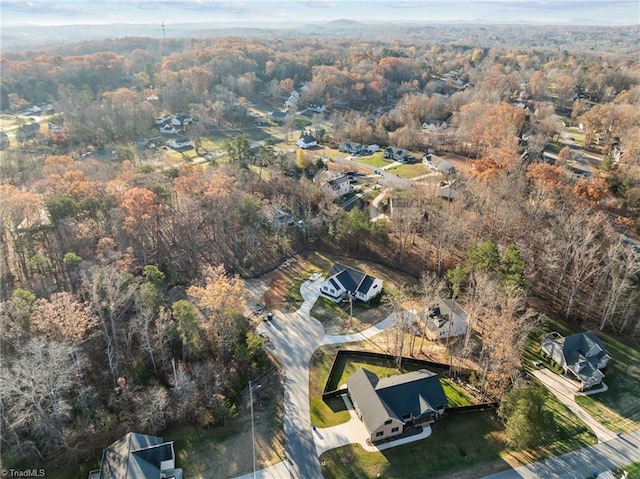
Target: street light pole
[[253, 431]]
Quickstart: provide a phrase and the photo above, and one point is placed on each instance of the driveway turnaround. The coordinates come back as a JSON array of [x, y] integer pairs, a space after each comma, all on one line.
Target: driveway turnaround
[[565, 391], [293, 338]]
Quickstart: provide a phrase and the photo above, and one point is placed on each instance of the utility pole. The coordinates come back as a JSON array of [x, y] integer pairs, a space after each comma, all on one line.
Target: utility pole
[[163, 32], [253, 430]]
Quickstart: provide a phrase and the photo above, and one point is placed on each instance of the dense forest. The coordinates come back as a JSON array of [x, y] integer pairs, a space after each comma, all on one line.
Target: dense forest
[[122, 302]]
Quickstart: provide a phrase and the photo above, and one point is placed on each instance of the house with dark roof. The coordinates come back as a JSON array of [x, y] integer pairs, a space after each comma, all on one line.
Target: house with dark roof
[[307, 141], [138, 456], [350, 147], [582, 357], [26, 132], [180, 142], [398, 154], [343, 281], [447, 319], [336, 186], [386, 406], [278, 116]]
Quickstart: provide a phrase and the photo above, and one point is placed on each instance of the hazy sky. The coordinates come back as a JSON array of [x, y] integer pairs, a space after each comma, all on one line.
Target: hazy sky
[[66, 12]]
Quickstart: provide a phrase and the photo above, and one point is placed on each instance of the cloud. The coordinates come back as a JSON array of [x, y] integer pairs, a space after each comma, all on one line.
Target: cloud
[[318, 3], [45, 8], [202, 5]]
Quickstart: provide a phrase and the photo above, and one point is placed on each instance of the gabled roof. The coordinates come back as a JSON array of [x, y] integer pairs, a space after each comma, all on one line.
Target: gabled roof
[[582, 353], [416, 392], [308, 139], [413, 394], [349, 278], [374, 411], [135, 456]]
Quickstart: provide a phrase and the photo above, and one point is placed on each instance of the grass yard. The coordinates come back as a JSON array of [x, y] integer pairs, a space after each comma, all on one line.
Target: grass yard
[[458, 442], [336, 319], [410, 171], [376, 160], [333, 411], [225, 451], [618, 408], [633, 470]]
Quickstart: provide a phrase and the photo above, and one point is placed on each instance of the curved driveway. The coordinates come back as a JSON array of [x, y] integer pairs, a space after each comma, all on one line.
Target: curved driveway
[[293, 337]]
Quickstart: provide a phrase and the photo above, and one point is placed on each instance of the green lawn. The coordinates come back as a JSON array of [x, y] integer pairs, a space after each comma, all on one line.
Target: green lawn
[[376, 160], [457, 442], [633, 470], [333, 412], [618, 408], [409, 171]]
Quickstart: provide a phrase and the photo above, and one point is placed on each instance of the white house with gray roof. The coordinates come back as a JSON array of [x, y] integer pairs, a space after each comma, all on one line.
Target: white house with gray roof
[[581, 356], [446, 320], [343, 281]]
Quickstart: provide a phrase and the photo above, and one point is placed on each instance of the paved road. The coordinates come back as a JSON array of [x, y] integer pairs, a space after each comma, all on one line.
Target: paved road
[[580, 464], [294, 337]]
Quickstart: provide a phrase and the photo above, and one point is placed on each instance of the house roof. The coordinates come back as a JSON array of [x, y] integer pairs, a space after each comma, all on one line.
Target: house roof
[[351, 279], [135, 456], [407, 394], [361, 386], [336, 182], [277, 114], [416, 392], [582, 353], [308, 139], [182, 139], [443, 314]]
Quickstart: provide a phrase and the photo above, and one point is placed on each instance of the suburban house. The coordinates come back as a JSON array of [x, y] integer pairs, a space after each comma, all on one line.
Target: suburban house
[[282, 219], [372, 148], [4, 140], [168, 130], [336, 186], [26, 132], [277, 116], [447, 191], [307, 141], [161, 120], [180, 142], [446, 320], [351, 148], [316, 107], [138, 456], [343, 282], [581, 356], [437, 164], [182, 120], [398, 154], [292, 100], [386, 406]]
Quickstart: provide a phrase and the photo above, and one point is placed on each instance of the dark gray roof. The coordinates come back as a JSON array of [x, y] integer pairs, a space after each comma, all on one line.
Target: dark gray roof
[[308, 139], [582, 353], [135, 456], [361, 386], [352, 279], [414, 394]]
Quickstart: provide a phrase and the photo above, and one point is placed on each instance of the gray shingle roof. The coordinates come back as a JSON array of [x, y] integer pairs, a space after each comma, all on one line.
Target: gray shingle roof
[[135, 456], [411, 394]]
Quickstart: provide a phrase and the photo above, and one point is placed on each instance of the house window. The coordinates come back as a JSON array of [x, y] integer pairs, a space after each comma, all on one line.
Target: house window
[[395, 429], [380, 434], [388, 421]]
